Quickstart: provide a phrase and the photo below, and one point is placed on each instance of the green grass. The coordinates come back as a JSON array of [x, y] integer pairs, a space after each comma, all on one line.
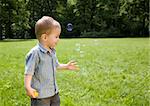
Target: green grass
[[113, 72]]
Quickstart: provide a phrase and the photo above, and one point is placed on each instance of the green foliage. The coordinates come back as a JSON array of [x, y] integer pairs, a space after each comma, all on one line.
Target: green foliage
[[135, 14], [15, 18], [124, 17], [113, 72], [111, 32]]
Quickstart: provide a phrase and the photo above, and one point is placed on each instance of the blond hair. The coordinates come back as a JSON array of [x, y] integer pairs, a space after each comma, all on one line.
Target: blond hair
[[44, 25]]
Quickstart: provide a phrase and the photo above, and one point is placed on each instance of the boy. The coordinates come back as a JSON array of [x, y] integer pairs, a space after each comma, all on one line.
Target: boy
[[41, 64]]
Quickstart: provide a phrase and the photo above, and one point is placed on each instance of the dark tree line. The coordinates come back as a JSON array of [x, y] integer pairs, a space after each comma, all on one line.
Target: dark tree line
[[90, 18]]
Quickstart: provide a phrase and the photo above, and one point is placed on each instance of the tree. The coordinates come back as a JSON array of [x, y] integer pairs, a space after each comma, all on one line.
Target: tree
[[14, 18], [38, 9], [92, 18], [98, 16], [0, 20], [20, 19], [135, 16]]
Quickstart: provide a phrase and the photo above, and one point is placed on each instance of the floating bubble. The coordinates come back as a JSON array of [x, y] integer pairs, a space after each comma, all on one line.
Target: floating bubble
[[69, 27]]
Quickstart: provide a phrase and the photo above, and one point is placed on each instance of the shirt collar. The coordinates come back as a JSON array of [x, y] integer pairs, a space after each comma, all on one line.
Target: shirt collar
[[42, 49]]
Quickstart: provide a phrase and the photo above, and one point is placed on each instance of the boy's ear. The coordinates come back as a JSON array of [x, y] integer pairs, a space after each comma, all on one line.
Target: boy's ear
[[44, 37]]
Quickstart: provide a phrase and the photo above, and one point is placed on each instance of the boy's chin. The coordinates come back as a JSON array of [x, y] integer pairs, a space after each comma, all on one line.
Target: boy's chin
[[52, 46]]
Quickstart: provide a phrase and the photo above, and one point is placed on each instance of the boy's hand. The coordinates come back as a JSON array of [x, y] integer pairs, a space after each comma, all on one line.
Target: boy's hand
[[31, 92], [72, 65]]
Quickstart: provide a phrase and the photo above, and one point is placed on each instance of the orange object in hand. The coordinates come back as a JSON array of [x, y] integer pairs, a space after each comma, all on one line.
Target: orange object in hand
[[36, 94]]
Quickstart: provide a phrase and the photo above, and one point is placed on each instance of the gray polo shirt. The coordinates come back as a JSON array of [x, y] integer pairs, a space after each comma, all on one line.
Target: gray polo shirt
[[41, 64]]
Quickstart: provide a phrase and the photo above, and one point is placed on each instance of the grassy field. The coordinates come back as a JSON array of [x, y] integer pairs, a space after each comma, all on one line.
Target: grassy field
[[113, 72]]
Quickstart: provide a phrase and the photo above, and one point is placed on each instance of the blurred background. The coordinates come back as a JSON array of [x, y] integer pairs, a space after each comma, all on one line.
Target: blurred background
[[88, 18]]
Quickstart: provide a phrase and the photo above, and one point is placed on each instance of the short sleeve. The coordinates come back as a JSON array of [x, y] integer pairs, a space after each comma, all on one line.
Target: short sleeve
[[31, 63]]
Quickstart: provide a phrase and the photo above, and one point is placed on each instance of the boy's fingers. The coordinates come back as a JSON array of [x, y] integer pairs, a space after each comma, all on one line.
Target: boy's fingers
[[74, 63], [77, 67], [31, 93], [33, 96]]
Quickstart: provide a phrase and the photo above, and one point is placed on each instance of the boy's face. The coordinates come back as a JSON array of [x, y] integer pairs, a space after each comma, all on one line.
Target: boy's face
[[53, 38]]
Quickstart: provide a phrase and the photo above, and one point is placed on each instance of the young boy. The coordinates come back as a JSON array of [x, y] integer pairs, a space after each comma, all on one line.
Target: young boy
[[41, 64]]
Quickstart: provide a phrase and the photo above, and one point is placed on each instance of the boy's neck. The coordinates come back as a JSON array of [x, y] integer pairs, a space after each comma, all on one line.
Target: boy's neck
[[45, 46]]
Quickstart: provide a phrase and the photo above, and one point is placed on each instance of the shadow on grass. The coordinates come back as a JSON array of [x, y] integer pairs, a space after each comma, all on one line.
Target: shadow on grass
[[16, 40]]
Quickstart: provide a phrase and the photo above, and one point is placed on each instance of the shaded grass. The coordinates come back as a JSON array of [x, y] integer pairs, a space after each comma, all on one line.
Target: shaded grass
[[113, 72]]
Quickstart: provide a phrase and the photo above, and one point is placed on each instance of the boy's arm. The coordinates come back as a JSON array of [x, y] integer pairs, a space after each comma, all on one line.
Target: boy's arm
[[72, 65], [29, 90]]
